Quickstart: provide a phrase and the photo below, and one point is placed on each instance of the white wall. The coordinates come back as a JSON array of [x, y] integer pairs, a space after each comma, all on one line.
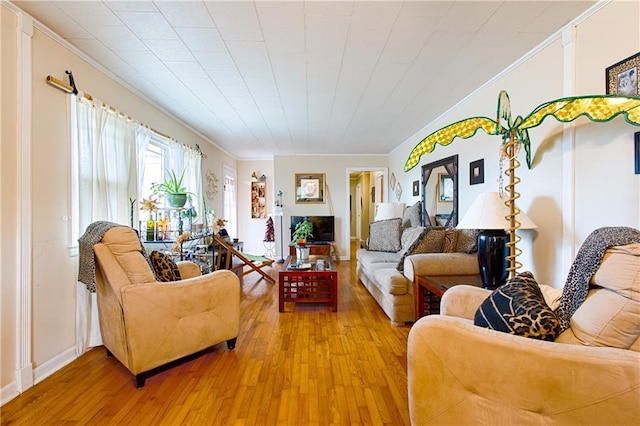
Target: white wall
[[602, 179], [250, 230], [9, 199], [337, 180], [53, 269]]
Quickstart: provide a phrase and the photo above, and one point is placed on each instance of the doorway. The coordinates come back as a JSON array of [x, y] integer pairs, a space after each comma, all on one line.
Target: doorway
[[365, 187]]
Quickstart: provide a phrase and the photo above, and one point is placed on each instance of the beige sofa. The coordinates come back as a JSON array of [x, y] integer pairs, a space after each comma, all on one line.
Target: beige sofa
[[388, 274], [461, 374], [146, 324]]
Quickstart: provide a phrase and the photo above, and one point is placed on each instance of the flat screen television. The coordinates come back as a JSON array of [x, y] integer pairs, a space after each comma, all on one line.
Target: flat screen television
[[323, 228]]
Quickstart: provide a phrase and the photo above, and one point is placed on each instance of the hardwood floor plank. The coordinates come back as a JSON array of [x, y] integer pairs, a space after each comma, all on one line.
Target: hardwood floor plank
[[306, 366]]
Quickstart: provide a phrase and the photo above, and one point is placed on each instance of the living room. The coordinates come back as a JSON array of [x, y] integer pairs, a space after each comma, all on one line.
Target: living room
[[568, 192]]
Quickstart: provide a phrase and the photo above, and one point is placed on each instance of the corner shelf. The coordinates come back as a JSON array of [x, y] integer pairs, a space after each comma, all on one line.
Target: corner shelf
[[259, 199]]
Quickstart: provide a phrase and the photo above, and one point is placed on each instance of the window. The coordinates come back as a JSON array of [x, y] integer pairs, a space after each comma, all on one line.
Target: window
[[154, 166], [115, 161]]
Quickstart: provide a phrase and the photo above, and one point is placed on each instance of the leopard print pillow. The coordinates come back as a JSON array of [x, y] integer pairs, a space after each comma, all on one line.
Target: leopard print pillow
[[518, 307], [164, 267]]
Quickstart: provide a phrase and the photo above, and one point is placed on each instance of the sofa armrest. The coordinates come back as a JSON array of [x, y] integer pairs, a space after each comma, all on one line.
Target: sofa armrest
[[164, 321], [188, 269], [457, 371], [440, 264], [463, 301]]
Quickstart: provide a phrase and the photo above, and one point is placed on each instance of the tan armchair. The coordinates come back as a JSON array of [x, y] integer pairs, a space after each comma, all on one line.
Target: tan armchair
[[146, 324], [460, 374]]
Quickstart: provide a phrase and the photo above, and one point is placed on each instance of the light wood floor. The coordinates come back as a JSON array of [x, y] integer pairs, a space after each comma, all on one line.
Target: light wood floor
[[305, 366]]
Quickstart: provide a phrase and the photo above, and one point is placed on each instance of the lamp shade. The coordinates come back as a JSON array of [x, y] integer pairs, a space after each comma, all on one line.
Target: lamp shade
[[278, 211], [488, 211], [388, 211]]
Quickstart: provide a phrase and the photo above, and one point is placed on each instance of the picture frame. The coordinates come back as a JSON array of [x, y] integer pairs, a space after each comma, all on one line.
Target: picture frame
[[392, 181], [310, 188], [445, 188], [636, 152], [416, 188], [398, 191], [622, 78], [476, 172]]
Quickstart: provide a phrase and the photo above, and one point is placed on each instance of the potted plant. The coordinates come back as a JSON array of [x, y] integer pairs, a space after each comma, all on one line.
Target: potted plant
[[172, 188], [302, 231]]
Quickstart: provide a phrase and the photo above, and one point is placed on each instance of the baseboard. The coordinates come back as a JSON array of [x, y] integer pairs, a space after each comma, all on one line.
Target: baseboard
[[54, 364], [41, 372], [8, 392]]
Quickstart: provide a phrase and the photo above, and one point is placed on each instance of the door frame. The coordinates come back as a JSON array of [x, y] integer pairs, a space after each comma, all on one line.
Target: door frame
[[346, 227]]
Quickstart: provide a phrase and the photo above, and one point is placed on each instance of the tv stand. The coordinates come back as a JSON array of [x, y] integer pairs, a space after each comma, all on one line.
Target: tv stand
[[316, 249]]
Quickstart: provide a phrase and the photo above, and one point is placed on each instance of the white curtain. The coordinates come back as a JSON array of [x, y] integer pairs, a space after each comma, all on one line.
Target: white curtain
[[107, 181], [193, 179], [143, 137]]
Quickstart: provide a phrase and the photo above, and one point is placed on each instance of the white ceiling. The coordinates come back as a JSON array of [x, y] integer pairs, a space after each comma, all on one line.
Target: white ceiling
[[264, 78]]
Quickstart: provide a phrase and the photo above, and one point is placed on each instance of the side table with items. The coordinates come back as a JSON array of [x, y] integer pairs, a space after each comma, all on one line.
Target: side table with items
[[429, 290]]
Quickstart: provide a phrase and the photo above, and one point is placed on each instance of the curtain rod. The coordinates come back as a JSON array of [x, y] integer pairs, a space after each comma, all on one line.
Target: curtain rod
[[61, 85]]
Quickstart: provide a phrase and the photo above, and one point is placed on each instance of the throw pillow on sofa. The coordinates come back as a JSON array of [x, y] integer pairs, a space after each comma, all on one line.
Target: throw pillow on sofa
[[410, 235], [467, 241], [164, 267], [518, 307], [384, 235], [450, 241], [412, 216], [430, 241]]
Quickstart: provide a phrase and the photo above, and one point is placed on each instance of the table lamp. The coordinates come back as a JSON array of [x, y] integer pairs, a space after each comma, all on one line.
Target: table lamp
[[388, 211], [488, 213]]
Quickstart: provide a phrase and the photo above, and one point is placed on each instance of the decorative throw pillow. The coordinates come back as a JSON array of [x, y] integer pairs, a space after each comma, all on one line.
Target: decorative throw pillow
[[430, 241], [164, 267], [384, 235], [467, 241], [410, 235], [518, 307], [412, 215], [450, 240]]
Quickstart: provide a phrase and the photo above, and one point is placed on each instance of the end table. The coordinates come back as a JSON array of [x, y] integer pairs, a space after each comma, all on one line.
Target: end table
[[429, 290]]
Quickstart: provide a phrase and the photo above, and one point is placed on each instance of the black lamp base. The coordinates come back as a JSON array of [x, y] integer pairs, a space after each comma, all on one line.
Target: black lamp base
[[492, 257]]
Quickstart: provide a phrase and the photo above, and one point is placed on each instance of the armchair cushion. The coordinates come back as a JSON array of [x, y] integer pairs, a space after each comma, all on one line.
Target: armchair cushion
[[164, 267], [610, 315], [518, 307], [125, 247]]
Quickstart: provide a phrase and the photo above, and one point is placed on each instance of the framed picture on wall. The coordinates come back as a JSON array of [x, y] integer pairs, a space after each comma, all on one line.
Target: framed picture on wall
[[398, 191], [622, 78], [476, 172], [310, 188]]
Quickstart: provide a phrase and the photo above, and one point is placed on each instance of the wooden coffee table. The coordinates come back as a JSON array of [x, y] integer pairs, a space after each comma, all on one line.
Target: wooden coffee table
[[429, 290], [308, 285]]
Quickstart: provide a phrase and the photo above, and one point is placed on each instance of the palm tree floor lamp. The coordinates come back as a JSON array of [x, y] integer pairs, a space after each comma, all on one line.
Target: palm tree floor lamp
[[279, 211], [515, 134]]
